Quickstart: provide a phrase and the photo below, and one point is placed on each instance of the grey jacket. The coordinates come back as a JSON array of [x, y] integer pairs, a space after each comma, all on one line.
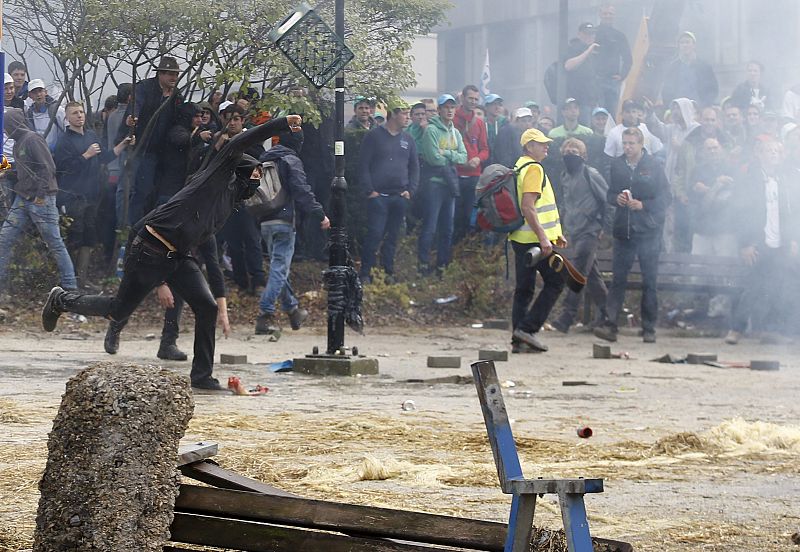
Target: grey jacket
[[584, 209]]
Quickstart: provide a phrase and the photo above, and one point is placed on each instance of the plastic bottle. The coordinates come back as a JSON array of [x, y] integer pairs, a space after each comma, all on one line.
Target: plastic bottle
[[121, 262]]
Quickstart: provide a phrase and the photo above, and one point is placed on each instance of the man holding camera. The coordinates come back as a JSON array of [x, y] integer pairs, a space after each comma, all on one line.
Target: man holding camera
[[542, 230]]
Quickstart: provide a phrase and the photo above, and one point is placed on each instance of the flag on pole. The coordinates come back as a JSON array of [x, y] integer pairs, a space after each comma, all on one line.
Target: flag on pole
[[640, 49], [486, 77]]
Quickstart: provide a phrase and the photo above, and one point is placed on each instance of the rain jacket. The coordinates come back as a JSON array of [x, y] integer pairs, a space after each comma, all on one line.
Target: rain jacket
[[476, 142]]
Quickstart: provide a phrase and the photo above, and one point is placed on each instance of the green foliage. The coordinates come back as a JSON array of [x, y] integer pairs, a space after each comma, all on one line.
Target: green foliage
[[383, 295], [217, 42]]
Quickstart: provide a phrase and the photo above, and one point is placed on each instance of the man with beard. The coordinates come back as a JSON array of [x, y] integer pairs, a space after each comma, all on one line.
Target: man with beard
[[160, 247]]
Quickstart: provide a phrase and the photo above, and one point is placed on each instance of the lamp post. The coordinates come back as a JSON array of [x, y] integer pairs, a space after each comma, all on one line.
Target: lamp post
[[319, 54]]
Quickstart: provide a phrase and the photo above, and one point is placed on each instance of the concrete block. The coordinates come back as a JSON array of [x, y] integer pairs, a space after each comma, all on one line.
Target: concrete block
[[496, 324], [601, 351], [111, 479], [765, 365], [489, 354], [700, 358], [232, 359], [444, 362], [329, 365]]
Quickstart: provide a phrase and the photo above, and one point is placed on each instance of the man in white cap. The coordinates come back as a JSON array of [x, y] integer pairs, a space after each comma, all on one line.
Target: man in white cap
[[506, 144], [10, 98], [44, 115], [688, 76]]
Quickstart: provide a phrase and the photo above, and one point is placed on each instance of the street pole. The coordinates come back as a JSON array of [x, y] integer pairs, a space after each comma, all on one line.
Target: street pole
[[338, 231]]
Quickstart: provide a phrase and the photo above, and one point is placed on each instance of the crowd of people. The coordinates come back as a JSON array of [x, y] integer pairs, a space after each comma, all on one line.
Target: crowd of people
[[687, 172]]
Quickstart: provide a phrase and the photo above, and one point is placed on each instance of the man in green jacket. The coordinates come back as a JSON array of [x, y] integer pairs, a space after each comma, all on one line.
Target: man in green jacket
[[442, 148]]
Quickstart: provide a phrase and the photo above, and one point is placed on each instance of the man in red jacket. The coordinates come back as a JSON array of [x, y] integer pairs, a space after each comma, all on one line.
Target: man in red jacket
[[473, 131]]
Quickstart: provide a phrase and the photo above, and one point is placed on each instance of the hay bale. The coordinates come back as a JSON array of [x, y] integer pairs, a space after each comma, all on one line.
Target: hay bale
[[111, 478]]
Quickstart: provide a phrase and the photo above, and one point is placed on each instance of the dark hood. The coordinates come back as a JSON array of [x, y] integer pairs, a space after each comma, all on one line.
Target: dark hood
[[276, 152], [14, 123], [292, 140]]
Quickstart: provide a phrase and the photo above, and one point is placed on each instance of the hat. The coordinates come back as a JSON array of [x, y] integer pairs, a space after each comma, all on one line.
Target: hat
[[530, 104], [224, 105], [36, 83], [8, 79], [587, 28], [632, 104], [533, 135], [569, 101], [491, 98], [523, 112], [444, 98], [379, 115], [397, 103], [602, 110], [205, 106], [168, 63], [359, 100], [690, 34]]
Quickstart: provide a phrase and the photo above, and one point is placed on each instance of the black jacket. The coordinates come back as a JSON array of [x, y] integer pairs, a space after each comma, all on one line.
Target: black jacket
[[751, 206], [78, 176], [648, 184], [148, 98], [201, 208], [614, 54], [293, 177], [695, 80]]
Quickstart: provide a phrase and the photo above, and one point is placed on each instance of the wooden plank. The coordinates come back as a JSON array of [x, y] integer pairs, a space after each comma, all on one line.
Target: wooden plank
[[259, 537], [195, 452], [365, 521], [210, 473]]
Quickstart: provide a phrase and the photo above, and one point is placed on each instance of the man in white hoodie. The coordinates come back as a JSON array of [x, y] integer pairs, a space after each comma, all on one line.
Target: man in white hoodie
[[673, 134]]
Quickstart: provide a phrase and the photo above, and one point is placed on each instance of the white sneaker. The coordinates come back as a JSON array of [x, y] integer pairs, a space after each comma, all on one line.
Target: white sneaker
[[733, 337]]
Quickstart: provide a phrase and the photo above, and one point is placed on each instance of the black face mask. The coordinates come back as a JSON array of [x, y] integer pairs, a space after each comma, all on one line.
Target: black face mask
[[573, 163], [247, 187]]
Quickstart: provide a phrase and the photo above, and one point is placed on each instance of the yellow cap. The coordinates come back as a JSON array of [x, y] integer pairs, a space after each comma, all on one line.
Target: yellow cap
[[533, 135]]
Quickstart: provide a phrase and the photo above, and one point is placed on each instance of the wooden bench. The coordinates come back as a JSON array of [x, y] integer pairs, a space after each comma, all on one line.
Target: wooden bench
[[239, 513], [680, 272], [524, 491], [684, 272]]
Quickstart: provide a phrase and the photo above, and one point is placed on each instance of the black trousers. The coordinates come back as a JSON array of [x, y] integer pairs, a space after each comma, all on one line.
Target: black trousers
[[147, 265], [524, 316]]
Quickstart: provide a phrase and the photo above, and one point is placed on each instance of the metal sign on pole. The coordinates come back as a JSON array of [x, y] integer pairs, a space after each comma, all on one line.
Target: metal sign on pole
[[319, 54]]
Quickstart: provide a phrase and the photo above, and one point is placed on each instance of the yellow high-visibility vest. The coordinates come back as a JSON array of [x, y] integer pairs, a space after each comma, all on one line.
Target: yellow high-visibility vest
[[546, 210]]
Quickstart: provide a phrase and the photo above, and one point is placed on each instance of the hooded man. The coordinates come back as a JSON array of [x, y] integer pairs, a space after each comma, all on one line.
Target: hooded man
[[35, 200], [279, 230], [159, 251]]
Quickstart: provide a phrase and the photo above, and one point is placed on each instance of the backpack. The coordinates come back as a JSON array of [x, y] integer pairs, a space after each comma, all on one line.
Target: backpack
[[270, 196], [497, 207]]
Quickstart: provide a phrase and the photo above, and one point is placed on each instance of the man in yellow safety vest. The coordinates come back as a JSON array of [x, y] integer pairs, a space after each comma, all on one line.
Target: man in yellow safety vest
[[542, 230]]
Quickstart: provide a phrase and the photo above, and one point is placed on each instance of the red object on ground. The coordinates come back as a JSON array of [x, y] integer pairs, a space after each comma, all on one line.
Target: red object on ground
[[585, 432]]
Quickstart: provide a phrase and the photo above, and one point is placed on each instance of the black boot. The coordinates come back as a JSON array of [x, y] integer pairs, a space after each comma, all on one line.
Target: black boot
[[52, 309], [297, 317], [111, 342], [265, 324], [170, 351]]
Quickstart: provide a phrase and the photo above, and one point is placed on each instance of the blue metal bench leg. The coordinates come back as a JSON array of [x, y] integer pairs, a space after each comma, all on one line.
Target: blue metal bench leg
[[520, 523], [576, 525]]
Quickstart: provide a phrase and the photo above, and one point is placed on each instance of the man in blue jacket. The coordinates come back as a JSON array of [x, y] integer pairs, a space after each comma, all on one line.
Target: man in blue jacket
[[78, 157], [388, 172], [640, 190], [279, 231]]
